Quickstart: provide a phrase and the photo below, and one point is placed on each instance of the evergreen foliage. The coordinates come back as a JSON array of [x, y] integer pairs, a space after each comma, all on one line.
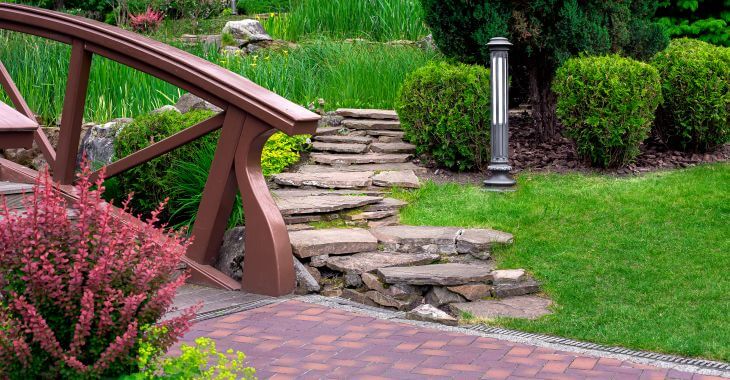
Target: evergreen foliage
[[707, 20], [545, 33]]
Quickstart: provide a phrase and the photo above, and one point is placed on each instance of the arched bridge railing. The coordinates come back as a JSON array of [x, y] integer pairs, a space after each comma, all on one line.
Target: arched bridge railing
[[250, 115]]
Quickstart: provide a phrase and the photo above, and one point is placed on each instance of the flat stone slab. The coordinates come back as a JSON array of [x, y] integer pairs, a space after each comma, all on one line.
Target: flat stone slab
[[317, 204], [436, 274], [381, 132], [368, 158], [367, 113], [393, 147], [347, 139], [400, 178], [327, 131], [365, 167], [509, 276], [391, 125], [370, 261], [371, 215], [387, 204], [472, 292], [333, 241], [528, 307], [346, 180], [418, 238], [296, 193], [339, 147], [504, 290], [479, 242]]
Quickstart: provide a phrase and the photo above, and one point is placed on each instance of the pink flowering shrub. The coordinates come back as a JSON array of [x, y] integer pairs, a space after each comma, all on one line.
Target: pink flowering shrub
[[78, 294], [148, 21]]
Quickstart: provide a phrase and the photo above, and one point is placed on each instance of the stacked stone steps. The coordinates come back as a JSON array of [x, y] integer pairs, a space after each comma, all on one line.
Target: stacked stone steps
[[406, 267]]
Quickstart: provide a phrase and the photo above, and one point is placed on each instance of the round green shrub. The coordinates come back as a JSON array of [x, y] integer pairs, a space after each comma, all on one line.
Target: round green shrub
[[695, 114], [445, 111], [607, 106]]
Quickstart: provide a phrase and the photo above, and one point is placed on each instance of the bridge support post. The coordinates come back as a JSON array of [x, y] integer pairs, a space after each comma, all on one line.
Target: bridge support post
[[268, 265]]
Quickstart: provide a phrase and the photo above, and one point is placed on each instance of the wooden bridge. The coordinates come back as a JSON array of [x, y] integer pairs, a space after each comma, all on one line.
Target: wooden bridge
[[250, 115]]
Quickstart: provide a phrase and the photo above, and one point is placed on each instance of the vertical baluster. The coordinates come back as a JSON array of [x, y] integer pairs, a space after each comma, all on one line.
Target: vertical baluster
[[73, 113], [219, 194]]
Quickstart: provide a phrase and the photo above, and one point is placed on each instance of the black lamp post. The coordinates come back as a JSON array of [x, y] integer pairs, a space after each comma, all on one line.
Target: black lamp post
[[500, 179]]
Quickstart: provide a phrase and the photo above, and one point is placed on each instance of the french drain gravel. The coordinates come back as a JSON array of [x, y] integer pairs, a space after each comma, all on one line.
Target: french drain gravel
[[700, 366]]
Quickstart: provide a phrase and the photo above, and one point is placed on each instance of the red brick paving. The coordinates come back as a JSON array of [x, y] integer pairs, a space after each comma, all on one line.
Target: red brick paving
[[294, 339]]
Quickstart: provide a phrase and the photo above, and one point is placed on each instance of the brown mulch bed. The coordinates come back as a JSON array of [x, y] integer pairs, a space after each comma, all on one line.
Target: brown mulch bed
[[558, 156]]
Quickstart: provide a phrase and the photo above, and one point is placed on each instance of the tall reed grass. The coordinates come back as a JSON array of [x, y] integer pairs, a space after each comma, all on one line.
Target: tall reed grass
[[377, 20], [343, 74]]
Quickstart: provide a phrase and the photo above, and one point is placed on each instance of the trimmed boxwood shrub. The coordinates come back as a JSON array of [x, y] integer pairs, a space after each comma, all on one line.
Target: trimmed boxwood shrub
[[695, 114], [445, 111], [607, 106]]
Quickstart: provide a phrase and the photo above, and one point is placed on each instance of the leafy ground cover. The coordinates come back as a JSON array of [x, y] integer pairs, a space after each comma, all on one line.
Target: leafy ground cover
[[343, 74], [640, 262]]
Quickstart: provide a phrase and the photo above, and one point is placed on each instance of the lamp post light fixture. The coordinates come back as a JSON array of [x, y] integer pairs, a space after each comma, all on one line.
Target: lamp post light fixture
[[499, 179]]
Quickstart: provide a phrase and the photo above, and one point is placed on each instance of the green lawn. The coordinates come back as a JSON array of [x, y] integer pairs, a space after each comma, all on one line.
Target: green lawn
[[641, 262]]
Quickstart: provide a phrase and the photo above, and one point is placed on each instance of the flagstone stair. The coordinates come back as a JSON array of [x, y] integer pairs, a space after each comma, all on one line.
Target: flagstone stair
[[360, 251]]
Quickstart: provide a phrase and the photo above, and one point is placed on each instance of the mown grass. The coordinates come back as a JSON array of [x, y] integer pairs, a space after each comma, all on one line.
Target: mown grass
[[377, 20], [343, 74], [640, 262]]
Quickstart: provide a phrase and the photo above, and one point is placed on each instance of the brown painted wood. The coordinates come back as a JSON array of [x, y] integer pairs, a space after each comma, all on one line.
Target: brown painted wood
[[7, 83], [219, 194], [268, 264], [41, 140], [14, 121], [167, 145], [73, 113]]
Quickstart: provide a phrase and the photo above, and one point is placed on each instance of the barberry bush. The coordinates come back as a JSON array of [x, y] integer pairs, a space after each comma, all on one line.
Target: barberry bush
[[79, 291], [148, 21]]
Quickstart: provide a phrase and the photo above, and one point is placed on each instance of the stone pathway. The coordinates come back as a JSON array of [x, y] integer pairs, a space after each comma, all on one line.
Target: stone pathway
[[347, 240], [299, 340]]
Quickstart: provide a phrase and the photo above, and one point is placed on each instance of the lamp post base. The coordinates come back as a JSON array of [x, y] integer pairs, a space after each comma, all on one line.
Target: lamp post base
[[500, 181]]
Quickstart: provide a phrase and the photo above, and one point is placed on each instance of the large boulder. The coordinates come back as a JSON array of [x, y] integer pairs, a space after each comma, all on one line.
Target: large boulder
[[97, 143], [246, 31]]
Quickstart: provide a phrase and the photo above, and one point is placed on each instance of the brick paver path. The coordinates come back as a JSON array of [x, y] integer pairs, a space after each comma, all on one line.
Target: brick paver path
[[294, 339]]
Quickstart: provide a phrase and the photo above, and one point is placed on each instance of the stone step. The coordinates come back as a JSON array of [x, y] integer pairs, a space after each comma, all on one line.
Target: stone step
[[370, 215], [347, 139], [436, 274], [367, 113], [376, 132], [389, 139], [368, 158], [444, 240], [530, 307], [336, 180], [297, 193], [365, 167], [318, 204], [380, 147], [327, 131], [334, 241], [339, 147], [399, 178], [369, 261], [387, 204], [370, 124]]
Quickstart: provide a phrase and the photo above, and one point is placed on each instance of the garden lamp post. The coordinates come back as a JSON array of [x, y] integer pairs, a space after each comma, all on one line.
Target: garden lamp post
[[499, 179]]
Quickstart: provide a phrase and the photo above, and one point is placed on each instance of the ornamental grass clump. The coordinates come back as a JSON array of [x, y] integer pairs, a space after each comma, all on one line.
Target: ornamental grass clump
[[79, 293], [607, 106]]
